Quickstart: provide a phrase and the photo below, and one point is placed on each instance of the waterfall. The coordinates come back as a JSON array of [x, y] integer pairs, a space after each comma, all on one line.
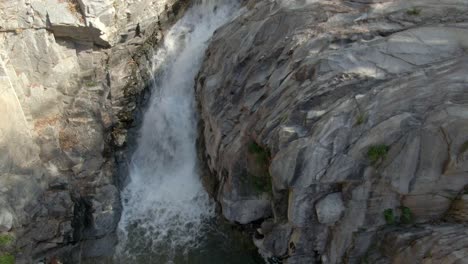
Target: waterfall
[[165, 208]]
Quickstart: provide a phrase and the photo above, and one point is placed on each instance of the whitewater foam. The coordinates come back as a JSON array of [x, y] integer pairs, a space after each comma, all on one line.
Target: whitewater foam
[[165, 207]]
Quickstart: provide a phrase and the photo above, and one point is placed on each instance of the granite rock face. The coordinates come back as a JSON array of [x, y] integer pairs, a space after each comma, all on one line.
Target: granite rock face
[[330, 208], [69, 89], [340, 126], [363, 101], [423, 244]]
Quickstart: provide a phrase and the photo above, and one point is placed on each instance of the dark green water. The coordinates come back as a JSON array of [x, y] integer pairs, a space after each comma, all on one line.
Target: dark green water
[[167, 215], [222, 244]]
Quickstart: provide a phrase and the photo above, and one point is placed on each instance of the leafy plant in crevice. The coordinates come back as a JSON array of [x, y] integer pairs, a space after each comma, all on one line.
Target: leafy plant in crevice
[[258, 183], [413, 11], [389, 216], [262, 154], [261, 181], [75, 9], [406, 215], [377, 153], [261, 184], [360, 119], [90, 83], [361, 114], [6, 240], [7, 258]]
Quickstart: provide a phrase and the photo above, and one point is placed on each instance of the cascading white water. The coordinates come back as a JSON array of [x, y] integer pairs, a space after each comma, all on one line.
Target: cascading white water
[[165, 207]]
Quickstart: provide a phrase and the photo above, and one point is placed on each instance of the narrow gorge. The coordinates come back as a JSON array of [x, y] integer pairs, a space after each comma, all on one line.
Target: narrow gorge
[[237, 132], [167, 215]]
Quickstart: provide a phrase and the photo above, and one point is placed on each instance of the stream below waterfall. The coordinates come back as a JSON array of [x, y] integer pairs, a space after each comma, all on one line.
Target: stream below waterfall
[[167, 215]]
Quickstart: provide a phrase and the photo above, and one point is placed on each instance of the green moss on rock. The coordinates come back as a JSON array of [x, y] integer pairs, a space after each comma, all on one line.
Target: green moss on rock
[[389, 216], [7, 258], [6, 240], [413, 11], [259, 176], [406, 215], [262, 154], [377, 153]]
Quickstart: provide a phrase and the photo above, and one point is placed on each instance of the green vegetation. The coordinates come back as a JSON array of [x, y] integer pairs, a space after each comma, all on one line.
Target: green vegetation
[[261, 184], [258, 183], [360, 119], [414, 11], [90, 83], [377, 153], [406, 215], [7, 258], [389, 217], [6, 240], [262, 155], [284, 117], [259, 177]]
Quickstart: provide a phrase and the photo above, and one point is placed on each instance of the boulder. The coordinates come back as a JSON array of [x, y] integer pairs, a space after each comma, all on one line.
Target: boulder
[[6, 220], [246, 211], [275, 242], [330, 208]]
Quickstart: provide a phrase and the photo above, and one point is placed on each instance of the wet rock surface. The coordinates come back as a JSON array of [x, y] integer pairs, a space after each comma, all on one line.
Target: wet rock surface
[[339, 127], [363, 109], [70, 75]]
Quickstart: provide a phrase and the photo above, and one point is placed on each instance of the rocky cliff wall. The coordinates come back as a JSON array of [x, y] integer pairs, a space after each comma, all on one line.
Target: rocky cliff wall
[[72, 73], [342, 127]]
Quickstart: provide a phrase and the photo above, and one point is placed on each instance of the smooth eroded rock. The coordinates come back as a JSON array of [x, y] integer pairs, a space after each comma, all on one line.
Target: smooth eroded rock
[[330, 208], [6, 220]]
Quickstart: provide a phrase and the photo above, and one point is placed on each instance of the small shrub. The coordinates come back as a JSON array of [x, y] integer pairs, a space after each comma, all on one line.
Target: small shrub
[[414, 11], [254, 147], [90, 83], [377, 153], [6, 240], [7, 258], [261, 184], [360, 119], [389, 217], [406, 215], [262, 154], [258, 183], [73, 7], [260, 179]]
